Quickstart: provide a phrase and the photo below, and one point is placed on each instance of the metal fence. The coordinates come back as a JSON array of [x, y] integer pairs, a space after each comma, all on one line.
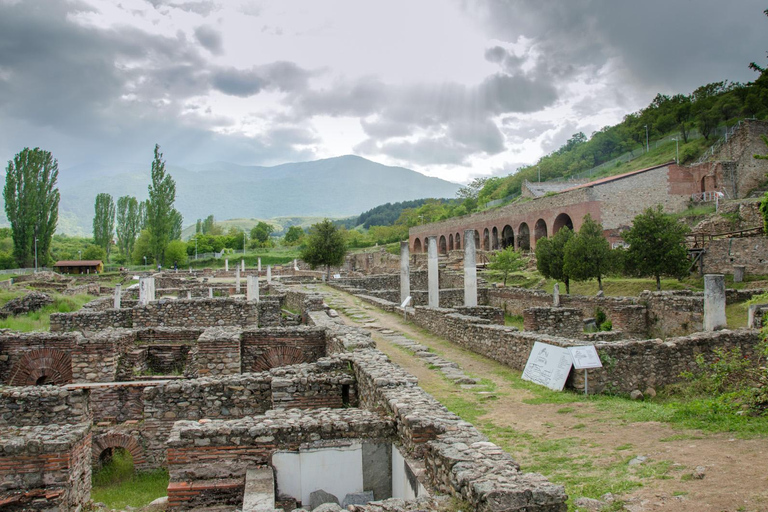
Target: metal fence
[[22, 271]]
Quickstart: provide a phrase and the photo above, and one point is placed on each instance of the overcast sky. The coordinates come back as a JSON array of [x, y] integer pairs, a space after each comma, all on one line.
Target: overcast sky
[[451, 88]]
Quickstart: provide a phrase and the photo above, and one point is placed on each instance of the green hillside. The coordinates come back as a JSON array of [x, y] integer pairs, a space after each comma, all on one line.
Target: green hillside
[[697, 120], [281, 225]]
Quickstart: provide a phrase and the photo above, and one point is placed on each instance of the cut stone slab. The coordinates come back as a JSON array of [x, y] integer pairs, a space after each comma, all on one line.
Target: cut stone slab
[[357, 498], [320, 497], [259, 495]]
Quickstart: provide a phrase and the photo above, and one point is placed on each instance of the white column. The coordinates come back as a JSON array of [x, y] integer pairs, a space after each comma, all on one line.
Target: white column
[[556, 295], [210, 292], [189, 294], [143, 291], [242, 265], [714, 302], [226, 265], [118, 296], [259, 268], [405, 271], [151, 289], [432, 273], [237, 279], [269, 274], [252, 288], [295, 264], [470, 269]]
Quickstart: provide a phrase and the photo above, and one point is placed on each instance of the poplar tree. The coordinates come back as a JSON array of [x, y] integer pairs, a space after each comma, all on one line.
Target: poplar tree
[[32, 203], [550, 256], [163, 220], [128, 224], [103, 221]]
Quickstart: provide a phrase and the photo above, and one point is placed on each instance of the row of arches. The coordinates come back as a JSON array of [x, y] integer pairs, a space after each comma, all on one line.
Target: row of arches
[[502, 237]]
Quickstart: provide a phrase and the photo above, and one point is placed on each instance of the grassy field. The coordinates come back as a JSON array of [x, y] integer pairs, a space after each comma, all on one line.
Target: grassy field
[[118, 486], [41, 320]]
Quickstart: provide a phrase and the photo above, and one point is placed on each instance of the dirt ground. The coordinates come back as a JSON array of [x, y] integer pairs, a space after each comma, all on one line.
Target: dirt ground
[[735, 471]]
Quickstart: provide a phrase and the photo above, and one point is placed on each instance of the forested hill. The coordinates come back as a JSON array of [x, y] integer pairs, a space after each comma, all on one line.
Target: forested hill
[[696, 120], [383, 215]]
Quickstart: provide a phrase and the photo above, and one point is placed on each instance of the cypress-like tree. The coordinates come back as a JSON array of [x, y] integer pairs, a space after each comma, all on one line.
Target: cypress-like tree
[[657, 246], [103, 221], [128, 224], [32, 203], [550, 256], [588, 254]]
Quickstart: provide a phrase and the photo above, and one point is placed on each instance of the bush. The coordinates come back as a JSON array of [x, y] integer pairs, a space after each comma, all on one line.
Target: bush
[[688, 154], [606, 326]]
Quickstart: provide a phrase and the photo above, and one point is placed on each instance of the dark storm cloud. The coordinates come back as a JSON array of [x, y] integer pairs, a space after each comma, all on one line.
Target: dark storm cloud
[[284, 76], [85, 92], [210, 39], [661, 45]]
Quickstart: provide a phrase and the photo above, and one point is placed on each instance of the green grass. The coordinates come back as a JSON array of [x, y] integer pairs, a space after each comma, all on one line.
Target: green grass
[[513, 321], [117, 486], [41, 320]]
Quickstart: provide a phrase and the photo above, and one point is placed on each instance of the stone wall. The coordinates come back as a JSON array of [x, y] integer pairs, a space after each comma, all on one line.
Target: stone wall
[[43, 405], [263, 349], [724, 253], [555, 321], [45, 468], [27, 357]]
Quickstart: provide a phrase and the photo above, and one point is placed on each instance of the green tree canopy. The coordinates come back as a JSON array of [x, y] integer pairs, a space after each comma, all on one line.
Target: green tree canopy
[[324, 245], [32, 203], [261, 232], [163, 220], [175, 254], [550, 256], [588, 254], [103, 221], [505, 262], [293, 235], [95, 252], [656, 246], [128, 224]]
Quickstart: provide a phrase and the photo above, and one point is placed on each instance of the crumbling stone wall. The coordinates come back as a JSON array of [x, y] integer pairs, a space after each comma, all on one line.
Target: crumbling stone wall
[[43, 405], [263, 349], [555, 321], [45, 467], [27, 357], [724, 253]]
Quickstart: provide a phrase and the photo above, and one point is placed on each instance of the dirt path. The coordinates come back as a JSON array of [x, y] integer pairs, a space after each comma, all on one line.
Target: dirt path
[[581, 443]]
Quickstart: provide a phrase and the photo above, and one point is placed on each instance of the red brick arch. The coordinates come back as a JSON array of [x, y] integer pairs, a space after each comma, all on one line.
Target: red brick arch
[[278, 356], [112, 440], [42, 366]]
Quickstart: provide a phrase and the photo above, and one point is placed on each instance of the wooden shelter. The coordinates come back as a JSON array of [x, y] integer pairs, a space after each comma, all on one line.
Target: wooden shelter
[[79, 266]]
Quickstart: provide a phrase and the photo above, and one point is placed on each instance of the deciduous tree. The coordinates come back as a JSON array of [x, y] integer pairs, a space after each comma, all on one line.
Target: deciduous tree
[[163, 221], [32, 203], [656, 246], [103, 221], [505, 262], [128, 224], [324, 245], [588, 254], [550, 256], [293, 235], [261, 232]]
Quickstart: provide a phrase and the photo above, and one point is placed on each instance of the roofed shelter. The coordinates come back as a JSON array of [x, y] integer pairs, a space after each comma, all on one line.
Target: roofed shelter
[[79, 266]]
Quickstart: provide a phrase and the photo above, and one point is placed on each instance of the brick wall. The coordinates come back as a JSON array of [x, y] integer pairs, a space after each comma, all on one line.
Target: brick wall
[[263, 349]]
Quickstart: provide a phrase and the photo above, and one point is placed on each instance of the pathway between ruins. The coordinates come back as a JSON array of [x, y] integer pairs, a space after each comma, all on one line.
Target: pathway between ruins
[[574, 441]]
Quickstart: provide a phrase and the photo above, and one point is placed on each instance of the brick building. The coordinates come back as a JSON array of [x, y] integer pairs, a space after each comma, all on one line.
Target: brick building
[[613, 201]]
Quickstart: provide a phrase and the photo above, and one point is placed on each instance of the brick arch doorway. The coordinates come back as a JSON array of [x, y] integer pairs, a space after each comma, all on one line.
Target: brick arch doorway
[[42, 366], [278, 356], [507, 237], [417, 245], [105, 445], [524, 237], [561, 221]]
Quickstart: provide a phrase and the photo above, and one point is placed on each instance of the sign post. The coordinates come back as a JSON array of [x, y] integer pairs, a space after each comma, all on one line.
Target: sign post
[[584, 358]]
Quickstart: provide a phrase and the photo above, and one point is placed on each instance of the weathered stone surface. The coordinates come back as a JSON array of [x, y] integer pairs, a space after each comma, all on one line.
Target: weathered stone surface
[[320, 497], [28, 303], [357, 498]]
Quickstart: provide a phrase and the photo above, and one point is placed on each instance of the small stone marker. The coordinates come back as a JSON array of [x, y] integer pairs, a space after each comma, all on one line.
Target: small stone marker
[[556, 295], [259, 267], [226, 265], [118, 296], [189, 294], [252, 288], [320, 497], [269, 274], [242, 265], [210, 292], [237, 280], [738, 273]]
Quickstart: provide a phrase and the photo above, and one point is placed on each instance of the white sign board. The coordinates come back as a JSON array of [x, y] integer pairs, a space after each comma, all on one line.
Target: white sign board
[[406, 301], [548, 365], [585, 357], [337, 276]]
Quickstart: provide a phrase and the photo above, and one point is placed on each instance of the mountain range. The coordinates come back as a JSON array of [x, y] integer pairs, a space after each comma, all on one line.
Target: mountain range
[[333, 187]]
